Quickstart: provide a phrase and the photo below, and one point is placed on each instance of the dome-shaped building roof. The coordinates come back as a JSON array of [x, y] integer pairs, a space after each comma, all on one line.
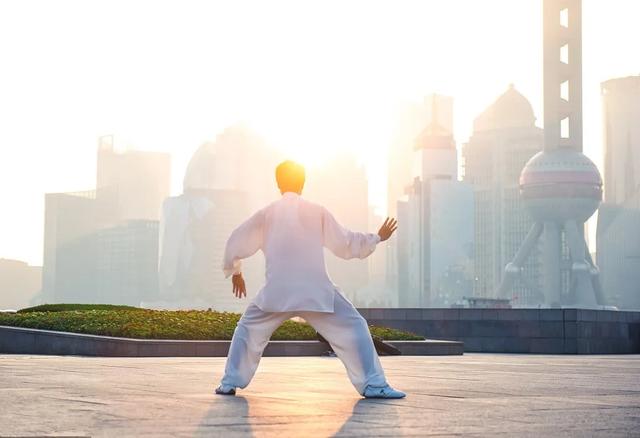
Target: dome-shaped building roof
[[510, 110], [238, 159], [222, 164], [200, 174]]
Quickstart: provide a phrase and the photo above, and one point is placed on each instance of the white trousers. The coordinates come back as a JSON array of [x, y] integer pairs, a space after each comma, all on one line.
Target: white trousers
[[345, 329]]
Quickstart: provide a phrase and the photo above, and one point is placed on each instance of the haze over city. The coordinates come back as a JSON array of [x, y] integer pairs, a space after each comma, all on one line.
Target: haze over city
[[311, 79], [256, 218]]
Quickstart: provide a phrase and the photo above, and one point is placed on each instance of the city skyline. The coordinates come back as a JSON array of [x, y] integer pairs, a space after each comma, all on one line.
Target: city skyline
[[305, 114], [320, 217]]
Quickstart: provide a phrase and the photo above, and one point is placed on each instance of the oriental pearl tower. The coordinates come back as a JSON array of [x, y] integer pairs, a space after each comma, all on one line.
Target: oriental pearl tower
[[560, 187]]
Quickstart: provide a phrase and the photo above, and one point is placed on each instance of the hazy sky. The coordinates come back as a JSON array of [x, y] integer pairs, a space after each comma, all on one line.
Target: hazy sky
[[311, 77]]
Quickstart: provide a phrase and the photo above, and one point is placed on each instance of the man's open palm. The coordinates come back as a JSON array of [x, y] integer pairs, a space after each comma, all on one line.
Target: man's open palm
[[239, 288], [387, 228]]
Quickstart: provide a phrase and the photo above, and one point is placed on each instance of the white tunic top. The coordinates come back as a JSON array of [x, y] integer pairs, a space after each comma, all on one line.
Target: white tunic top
[[291, 233]]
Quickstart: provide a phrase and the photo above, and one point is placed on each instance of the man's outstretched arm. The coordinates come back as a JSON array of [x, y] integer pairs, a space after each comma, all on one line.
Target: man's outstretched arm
[[349, 244]]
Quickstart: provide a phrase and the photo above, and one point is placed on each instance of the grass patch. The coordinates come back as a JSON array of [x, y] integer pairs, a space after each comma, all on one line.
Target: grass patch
[[133, 322]]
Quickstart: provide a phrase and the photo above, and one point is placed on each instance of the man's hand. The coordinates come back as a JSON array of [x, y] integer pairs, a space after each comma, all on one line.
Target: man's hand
[[387, 229], [239, 288]]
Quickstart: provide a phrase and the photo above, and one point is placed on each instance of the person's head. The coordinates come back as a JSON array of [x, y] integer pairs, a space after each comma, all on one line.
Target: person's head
[[290, 177]]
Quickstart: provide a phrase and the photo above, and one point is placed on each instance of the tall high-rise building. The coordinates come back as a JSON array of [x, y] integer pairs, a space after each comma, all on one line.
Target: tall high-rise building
[[140, 180], [435, 238], [91, 257], [504, 138], [70, 248], [126, 265], [413, 119], [618, 233], [618, 254], [621, 127], [102, 245]]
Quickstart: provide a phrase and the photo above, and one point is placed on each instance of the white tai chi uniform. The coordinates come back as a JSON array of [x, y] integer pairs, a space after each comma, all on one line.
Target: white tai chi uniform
[[292, 233]]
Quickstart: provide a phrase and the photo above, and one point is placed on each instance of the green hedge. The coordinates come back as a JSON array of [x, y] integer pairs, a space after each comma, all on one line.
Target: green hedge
[[63, 307], [162, 324]]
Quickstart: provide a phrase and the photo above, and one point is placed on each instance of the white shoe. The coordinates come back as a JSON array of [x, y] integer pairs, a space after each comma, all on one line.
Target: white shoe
[[225, 390], [382, 392]]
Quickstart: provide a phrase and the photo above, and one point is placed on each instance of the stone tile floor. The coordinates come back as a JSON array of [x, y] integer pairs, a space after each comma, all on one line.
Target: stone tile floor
[[474, 394]]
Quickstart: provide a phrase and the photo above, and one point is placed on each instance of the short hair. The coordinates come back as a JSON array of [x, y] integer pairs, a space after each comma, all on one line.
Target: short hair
[[290, 176]]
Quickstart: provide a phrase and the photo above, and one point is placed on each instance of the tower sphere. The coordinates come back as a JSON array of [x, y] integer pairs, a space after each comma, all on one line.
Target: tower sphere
[[560, 185]]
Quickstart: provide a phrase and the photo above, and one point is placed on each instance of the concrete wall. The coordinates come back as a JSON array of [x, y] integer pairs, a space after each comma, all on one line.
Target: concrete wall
[[550, 331]]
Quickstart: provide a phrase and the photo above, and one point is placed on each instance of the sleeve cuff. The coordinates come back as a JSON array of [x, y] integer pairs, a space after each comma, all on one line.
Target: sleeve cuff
[[233, 270]]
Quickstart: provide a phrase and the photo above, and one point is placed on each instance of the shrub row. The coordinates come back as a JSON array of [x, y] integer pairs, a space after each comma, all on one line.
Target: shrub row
[[161, 324]]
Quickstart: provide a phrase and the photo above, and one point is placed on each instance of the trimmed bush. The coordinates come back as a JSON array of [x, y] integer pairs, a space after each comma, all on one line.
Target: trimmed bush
[[65, 307], [162, 324]]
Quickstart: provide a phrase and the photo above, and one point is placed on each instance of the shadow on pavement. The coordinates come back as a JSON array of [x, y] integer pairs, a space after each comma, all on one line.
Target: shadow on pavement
[[226, 413], [254, 416], [373, 417]]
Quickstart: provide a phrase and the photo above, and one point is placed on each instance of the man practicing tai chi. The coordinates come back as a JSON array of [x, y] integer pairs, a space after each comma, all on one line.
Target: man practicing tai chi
[[292, 233]]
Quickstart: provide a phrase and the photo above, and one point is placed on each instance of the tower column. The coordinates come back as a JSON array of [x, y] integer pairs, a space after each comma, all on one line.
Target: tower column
[[551, 268]]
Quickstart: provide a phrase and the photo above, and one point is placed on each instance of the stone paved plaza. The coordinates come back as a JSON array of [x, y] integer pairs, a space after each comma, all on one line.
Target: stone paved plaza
[[474, 394]]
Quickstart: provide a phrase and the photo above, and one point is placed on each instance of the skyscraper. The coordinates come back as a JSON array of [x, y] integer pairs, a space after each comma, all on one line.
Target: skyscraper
[[618, 254], [414, 118], [621, 128], [618, 233], [504, 138], [91, 257], [126, 265], [435, 238], [140, 180], [102, 245], [70, 247]]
